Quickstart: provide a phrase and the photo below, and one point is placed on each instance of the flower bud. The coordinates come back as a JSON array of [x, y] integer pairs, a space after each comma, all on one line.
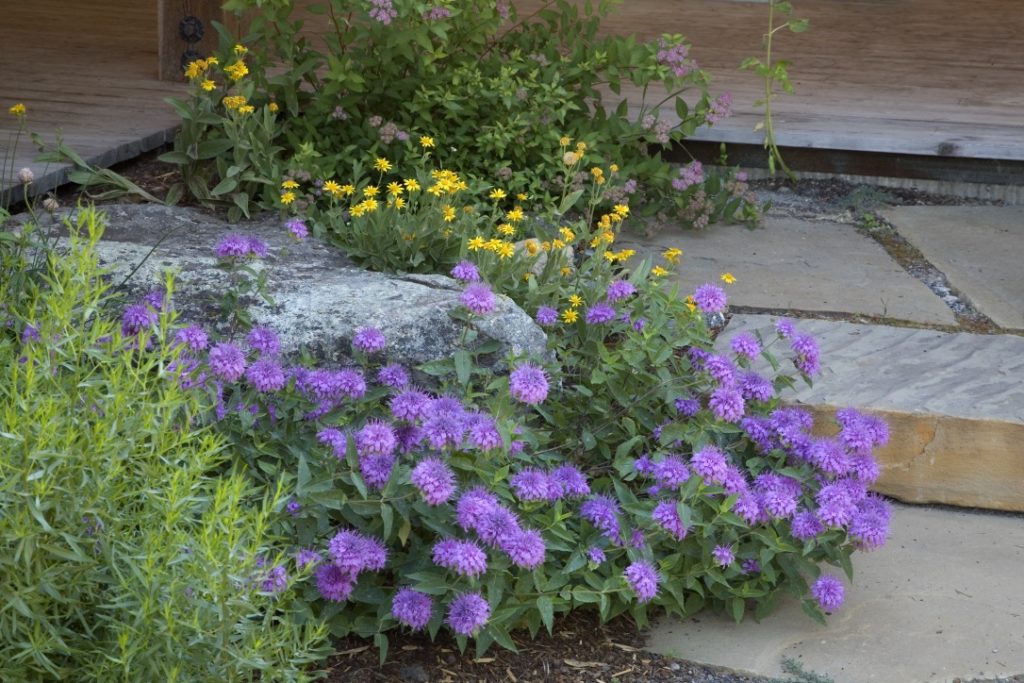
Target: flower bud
[[26, 176]]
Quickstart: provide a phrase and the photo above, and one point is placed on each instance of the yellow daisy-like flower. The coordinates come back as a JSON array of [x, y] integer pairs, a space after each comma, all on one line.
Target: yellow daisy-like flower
[[600, 180], [506, 229], [287, 197], [370, 191], [505, 250], [658, 271], [567, 234], [382, 165], [566, 270], [570, 316], [597, 172], [532, 247], [210, 61], [241, 49], [246, 109], [564, 141], [522, 197], [557, 244], [493, 244], [208, 85], [273, 107], [332, 188], [691, 304], [625, 255], [515, 215], [448, 213], [412, 184], [609, 256], [497, 193], [426, 142], [234, 101], [575, 301], [399, 203], [18, 110], [546, 246], [291, 184], [357, 210], [581, 147], [347, 190], [370, 205], [237, 71], [620, 210], [614, 168], [672, 255], [476, 243], [195, 68], [728, 278], [395, 189]]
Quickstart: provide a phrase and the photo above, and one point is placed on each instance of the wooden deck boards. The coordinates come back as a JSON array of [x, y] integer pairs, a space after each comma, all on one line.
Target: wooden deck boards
[[929, 77], [87, 70]]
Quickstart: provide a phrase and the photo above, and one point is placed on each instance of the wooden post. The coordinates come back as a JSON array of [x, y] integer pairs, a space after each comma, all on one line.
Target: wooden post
[[172, 44]]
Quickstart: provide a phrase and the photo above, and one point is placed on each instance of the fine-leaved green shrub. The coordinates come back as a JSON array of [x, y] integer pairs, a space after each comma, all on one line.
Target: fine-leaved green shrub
[[124, 555]]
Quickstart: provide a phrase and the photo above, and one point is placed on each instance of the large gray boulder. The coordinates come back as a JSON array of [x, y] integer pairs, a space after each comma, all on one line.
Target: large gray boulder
[[320, 297]]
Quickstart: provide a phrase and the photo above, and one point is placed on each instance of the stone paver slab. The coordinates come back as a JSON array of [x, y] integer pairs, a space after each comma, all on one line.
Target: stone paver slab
[[942, 600], [801, 265], [954, 402], [979, 248]]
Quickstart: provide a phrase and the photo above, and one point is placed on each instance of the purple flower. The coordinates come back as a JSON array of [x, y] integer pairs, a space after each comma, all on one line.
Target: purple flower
[[410, 405], [711, 464], [444, 429], [464, 557], [496, 525], [533, 484], [643, 579], [528, 384], [758, 430], [687, 407], [412, 608], [734, 481], [710, 298], [335, 583], [275, 580], [805, 525], [869, 526], [357, 552], [600, 313], [643, 465], [719, 109], [723, 555], [721, 369], [478, 298], [674, 57], [570, 481], [671, 472], [808, 355], [394, 376], [409, 437], [334, 438], [383, 11], [465, 271], [266, 375], [745, 344], [864, 468], [829, 592], [227, 361], [727, 404], [639, 324], [751, 566], [263, 340], [524, 547], [306, 558], [619, 290], [293, 507], [595, 554], [376, 468], [689, 175], [297, 228], [434, 479], [748, 506], [237, 246], [785, 328], [135, 319], [546, 316], [483, 431], [829, 456], [192, 337], [369, 340], [31, 333], [754, 387], [376, 437], [350, 383], [666, 515], [603, 513], [468, 613], [473, 506]]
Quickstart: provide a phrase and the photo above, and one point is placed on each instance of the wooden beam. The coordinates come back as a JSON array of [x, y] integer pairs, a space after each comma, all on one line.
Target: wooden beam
[[172, 44]]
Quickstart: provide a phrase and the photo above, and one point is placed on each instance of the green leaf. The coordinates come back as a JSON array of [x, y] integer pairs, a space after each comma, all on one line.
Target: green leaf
[[736, 606], [209, 149], [224, 186], [799, 25], [547, 611], [463, 366], [387, 516], [569, 202], [381, 641]]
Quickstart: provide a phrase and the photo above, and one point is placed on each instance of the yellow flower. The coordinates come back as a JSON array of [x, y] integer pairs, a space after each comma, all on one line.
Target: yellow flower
[[210, 61], [620, 210], [370, 191], [526, 276], [241, 49], [208, 85], [564, 141], [287, 197], [411, 184], [493, 244], [596, 172], [609, 256], [246, 109], [575, 301], [581, 146], [546, 246], [691, 304], [497, 193], [395, 189], [369, 204], [237, 71], [614, 168], [505, 250], [358, 210], [234, 101], [625, 255], [600, 180], [728, 278], [477, 243], [567, 234], [348, 190], [566, 270], [570, 158], [515, 215], [506, 229], [290, 184], [18, 110], [449, 213], [672, 255], [570, 316], [521, 196], [273, 107], [332, 188], [557, 244], [658, 271], [399, 203], [426, 142], [382, 165], [532, 247], [195, 68]]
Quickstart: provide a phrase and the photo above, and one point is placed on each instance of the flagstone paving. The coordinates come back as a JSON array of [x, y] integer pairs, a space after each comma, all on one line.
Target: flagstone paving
[[801, 265], [979, 248], [942, 601]]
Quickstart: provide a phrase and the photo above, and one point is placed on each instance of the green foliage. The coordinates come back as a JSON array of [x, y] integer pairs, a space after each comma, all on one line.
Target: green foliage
[[495, 90], [124, 556]]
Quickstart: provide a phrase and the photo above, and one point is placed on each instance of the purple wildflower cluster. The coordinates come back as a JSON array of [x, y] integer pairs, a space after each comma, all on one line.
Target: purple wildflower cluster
[[478, 298], [351, 553], [479, 511], [383, 11], [369, 340], [528, 383], [719, 109], [534, 484], [643, 579], [237, 246], [689, 175], [546, 316], [465, 271], [676, 58]]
